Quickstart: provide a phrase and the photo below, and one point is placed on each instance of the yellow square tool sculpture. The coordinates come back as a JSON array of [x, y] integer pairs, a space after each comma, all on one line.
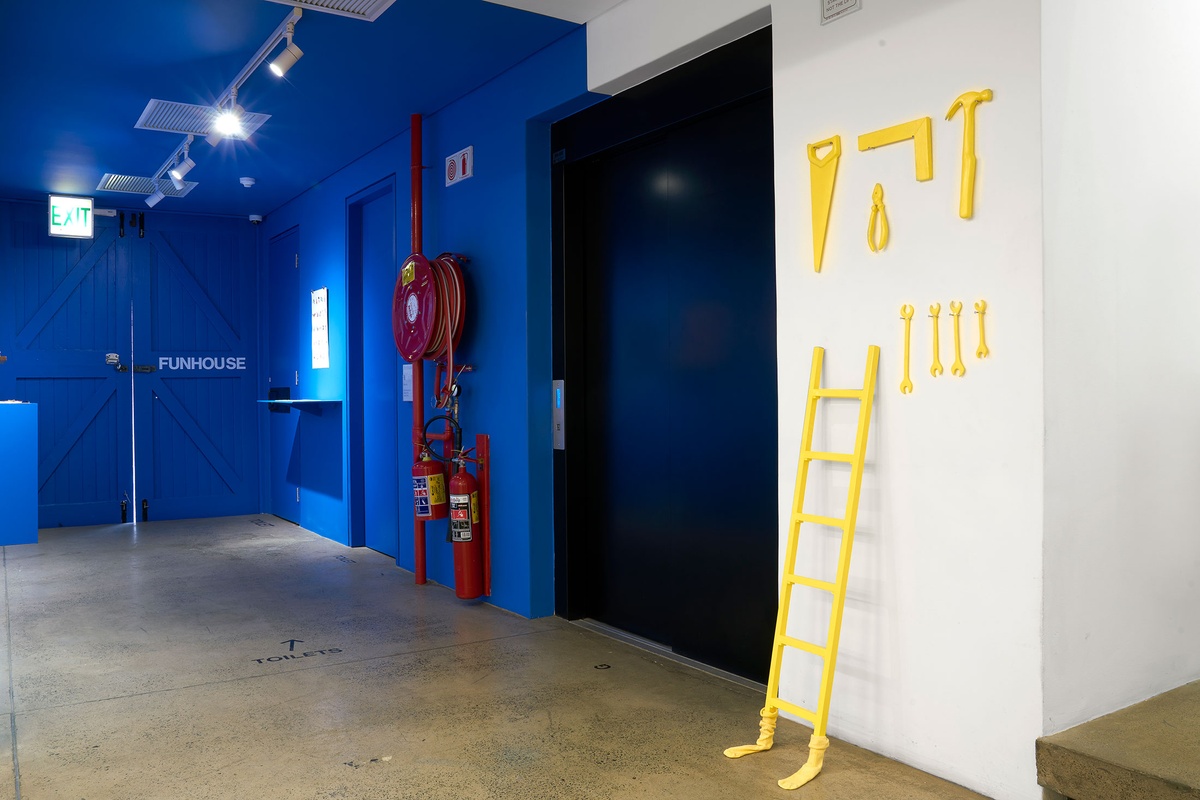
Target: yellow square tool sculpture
[[827, 652], [919, 130]]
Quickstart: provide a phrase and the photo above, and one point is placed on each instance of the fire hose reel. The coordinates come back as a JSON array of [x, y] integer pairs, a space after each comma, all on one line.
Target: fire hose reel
[[428, 306]]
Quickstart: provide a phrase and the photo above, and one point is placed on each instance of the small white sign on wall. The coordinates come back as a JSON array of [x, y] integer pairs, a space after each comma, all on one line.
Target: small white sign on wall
[[320, 328], [460, 166], [833, 10]]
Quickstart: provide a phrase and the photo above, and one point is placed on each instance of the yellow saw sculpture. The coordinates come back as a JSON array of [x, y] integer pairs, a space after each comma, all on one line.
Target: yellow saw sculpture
[[822, 175]]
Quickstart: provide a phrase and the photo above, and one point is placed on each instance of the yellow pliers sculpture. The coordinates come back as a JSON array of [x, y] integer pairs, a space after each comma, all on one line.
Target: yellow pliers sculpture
[[878, 212]]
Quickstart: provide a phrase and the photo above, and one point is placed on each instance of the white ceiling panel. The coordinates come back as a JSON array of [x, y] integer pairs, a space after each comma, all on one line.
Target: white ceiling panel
[[577, 11]]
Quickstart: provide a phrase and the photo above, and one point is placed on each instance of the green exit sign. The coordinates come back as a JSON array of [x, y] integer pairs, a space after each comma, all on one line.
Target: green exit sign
[[71, 216]]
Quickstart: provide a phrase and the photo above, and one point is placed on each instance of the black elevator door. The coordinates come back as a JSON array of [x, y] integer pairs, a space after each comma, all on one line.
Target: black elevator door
[[681, 531]]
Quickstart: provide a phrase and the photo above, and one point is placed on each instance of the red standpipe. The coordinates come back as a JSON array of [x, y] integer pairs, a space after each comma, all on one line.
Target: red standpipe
[[418, 378], [418, 382], [483, 454]]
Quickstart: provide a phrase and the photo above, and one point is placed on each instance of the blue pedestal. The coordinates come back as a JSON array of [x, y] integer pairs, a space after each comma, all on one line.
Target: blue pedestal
[[18, 473]]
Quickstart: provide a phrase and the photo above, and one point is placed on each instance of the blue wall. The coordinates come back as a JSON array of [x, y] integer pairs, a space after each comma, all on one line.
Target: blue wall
[[500, 219]]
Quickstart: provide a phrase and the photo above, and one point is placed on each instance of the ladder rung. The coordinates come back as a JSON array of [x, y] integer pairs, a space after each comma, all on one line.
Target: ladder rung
[[819, 520], [846, 394], [812, 583], [814, 455], [800, 644], [799, 711]]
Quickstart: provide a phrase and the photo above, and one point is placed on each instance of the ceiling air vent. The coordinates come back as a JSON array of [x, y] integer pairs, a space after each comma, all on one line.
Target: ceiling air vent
[[185, 118], [134, 184], [368, 10]]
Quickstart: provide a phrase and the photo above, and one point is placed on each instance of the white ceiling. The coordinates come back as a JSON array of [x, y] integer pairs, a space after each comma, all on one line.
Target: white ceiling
[[577, 11]]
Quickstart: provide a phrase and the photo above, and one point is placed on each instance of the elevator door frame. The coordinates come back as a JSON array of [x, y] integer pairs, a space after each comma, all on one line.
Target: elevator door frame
[[733, 74]]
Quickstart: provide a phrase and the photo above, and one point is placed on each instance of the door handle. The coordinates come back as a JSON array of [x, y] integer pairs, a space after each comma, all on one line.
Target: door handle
[[144, 368], [114, 360]]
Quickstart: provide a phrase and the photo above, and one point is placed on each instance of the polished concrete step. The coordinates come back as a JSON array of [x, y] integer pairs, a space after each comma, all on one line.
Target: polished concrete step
[[1149, 751]]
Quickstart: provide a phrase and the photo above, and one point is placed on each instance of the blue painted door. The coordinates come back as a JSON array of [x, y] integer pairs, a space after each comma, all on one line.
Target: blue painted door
[[382, 490], [67, 304], [194, 371], [282, 328]]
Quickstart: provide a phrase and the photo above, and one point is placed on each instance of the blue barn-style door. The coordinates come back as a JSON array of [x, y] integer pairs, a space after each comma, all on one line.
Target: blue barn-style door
[[194, 372], [176, 309], [68, 305]]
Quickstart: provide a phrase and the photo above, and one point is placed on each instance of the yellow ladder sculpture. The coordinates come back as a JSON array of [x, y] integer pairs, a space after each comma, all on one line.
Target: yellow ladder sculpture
[[828, 653]]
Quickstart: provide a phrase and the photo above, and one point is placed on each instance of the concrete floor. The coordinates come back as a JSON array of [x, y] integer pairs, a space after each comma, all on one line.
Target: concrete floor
[[152, 661]]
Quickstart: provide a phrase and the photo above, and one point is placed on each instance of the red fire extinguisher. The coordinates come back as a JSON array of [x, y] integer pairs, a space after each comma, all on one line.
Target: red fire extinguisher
[[429, 489], [466, 535]]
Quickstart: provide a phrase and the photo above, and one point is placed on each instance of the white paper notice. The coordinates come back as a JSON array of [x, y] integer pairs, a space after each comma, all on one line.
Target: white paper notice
[[320, 328]]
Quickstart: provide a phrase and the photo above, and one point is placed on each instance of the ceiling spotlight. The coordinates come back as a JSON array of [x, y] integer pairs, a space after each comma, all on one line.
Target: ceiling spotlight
[[290, 55], [181, 169], [228, 122], [153, 198]]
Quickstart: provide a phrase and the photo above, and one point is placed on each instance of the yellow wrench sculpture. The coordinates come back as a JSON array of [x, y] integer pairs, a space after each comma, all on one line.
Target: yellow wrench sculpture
[[906, 314], [967, 101], [958, 369], [982, 351], [935, 311]]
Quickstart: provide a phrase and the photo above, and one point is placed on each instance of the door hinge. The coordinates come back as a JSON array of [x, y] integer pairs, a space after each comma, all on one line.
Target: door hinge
[[297, 377], [297, 261], [297, 494]]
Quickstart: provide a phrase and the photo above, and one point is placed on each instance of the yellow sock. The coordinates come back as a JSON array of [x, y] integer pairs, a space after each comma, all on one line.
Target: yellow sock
[[766, 736], [817, 746]]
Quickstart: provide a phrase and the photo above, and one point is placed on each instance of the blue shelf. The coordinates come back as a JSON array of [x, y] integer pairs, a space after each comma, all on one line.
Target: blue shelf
[[297, 402], [310, 406]]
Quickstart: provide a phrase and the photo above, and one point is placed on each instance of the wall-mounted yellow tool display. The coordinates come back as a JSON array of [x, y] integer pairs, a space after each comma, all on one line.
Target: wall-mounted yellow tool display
[[981, 351], [906, 314], [958, 369], [935, 311], [919, 130], [967, 101], [878, 213], [822, 175]]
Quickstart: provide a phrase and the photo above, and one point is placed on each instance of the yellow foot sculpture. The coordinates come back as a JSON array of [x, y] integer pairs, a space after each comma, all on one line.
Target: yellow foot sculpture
[[766, 736], [817, 745]]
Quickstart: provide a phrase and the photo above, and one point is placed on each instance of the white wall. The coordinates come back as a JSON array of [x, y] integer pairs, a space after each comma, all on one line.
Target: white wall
[[642, 38], [1122, 560], [940, 663]]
